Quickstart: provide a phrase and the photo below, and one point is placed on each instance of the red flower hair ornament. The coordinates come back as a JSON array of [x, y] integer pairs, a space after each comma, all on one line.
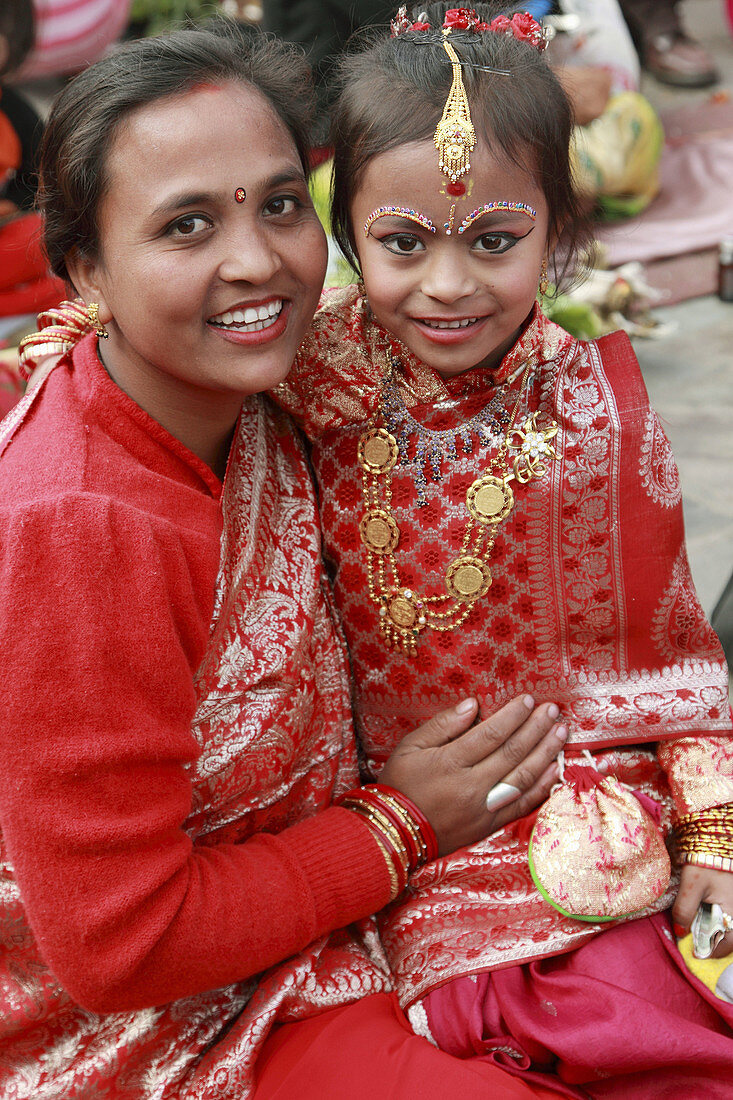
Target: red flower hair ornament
[[521, 26]]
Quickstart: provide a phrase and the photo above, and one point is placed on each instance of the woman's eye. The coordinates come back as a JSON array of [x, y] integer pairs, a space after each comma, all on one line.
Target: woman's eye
[[282, 205], [495, 242], [190, 225], [403, 244]]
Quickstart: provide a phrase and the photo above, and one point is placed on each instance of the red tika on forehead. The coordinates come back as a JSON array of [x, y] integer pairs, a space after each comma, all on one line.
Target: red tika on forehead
[[205, 86]]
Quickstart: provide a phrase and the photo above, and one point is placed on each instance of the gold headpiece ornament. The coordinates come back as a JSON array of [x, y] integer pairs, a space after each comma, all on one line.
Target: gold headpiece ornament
[[455, 136]]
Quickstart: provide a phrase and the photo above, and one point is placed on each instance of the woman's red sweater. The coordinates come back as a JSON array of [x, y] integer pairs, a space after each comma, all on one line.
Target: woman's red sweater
[[109, 550]]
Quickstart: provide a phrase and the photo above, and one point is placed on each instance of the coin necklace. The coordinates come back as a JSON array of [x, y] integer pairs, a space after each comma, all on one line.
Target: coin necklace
[[403, 612]]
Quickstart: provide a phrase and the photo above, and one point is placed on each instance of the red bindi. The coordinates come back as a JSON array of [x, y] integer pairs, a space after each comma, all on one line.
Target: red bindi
[[240, 194], [456, 188]]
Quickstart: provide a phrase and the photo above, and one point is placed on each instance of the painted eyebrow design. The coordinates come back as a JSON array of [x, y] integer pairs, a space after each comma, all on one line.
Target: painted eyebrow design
[[516, 207], [400, 212]]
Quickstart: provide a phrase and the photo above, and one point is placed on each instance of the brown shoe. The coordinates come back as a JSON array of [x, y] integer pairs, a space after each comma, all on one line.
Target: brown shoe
[[677, 59]]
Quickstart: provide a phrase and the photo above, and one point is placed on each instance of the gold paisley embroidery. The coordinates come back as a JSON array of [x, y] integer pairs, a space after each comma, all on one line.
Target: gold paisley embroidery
[[657, 466]]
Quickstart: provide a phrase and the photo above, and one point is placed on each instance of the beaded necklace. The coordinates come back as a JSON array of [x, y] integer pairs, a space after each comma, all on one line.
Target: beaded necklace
[[403, 612], [431, 444]]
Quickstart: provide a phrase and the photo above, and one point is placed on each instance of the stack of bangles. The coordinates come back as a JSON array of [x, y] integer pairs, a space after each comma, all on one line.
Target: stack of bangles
[[403, 833], [705, 838]]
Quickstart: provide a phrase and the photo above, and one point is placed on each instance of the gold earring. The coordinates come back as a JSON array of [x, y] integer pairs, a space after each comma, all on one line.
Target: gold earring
[[544, 281], [93, 311]]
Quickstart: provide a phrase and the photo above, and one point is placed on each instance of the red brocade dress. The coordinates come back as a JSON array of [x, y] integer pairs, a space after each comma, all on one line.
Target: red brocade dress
[[592, 605]]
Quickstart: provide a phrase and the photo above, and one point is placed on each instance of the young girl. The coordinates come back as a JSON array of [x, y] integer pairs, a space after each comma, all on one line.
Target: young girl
[[502, 512]]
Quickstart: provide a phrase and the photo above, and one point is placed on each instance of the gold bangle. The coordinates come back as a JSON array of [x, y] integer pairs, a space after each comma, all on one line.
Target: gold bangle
[[705, 837], [408, 823], [385, 826], [707, 859], [394, 882]]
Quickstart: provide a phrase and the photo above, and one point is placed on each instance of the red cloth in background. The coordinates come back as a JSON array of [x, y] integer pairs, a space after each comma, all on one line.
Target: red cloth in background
[[10, 149], [26, 285], [11, 389]]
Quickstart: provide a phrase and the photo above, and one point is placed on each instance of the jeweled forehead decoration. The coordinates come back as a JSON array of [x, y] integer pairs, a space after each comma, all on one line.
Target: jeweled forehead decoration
[[514, 207], [240, 195], [455, 136], [398, 212]]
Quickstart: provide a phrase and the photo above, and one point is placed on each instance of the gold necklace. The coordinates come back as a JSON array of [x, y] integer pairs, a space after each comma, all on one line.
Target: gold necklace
[[403, 612]]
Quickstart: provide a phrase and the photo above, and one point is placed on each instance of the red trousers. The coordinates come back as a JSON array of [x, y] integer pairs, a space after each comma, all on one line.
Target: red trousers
[[367, 1051]]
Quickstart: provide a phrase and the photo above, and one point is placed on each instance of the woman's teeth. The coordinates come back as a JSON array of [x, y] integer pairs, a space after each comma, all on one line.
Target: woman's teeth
[[251, 319], [451, 324]]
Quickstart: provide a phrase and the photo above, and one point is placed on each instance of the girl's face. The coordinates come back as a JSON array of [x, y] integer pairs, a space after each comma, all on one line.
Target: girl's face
[[456, 300], [206, 298]]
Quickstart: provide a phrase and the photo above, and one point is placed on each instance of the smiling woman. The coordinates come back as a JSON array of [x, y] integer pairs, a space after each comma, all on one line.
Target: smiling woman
[[229, 287], [174, 692]]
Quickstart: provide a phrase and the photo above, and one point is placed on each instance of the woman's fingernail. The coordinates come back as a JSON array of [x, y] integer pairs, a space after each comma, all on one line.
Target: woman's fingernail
[[562, 732], [465, 705], [553, 710], [528, 701], [679, 931]]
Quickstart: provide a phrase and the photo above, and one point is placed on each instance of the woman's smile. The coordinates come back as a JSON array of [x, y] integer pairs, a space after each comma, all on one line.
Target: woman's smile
[[230, 286], [253, 323]]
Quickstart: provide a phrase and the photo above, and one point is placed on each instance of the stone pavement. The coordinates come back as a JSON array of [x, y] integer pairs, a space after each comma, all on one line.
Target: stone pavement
[[689, 373]]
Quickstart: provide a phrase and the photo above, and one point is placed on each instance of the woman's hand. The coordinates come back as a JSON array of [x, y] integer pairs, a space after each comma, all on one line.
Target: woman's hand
[[447, 768], [700, 884]]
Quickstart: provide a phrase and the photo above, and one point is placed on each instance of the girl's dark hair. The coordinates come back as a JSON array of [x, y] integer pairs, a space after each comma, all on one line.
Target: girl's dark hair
[[18, 28], [88, 112], [393, 90]]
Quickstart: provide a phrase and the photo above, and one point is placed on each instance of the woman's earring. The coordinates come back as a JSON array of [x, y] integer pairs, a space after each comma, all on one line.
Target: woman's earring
[[93, 311], [544, 281]]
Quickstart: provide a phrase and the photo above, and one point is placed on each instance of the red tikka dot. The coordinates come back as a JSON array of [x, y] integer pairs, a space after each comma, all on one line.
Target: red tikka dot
[[240, 194], [456, 188]]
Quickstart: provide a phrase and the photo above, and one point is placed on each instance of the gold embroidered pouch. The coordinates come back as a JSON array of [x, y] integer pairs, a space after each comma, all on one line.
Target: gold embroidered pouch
[[596, 852]]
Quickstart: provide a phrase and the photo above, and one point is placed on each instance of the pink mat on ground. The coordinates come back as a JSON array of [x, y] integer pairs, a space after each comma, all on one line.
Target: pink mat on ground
[[694, 208]]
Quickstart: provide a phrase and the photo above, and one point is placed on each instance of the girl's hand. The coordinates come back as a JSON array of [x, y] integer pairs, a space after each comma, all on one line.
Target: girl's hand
[[700, 884], [447, 767]]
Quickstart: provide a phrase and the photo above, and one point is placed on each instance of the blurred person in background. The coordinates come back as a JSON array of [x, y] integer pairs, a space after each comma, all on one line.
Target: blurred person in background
[[25, 282], [71, 34], [667, 51]]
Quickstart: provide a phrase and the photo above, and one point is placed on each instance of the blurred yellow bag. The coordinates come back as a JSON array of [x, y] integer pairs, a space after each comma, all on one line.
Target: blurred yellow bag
[[616, 157]]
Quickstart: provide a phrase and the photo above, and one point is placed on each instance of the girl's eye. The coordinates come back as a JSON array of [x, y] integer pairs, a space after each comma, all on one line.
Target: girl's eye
[[403, 244], [190, 225], [496, 243], [283, 205]]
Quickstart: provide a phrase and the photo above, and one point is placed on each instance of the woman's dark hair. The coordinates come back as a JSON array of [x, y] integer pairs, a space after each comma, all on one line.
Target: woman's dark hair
[[88, 112], [18, 28], [393, 90]]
